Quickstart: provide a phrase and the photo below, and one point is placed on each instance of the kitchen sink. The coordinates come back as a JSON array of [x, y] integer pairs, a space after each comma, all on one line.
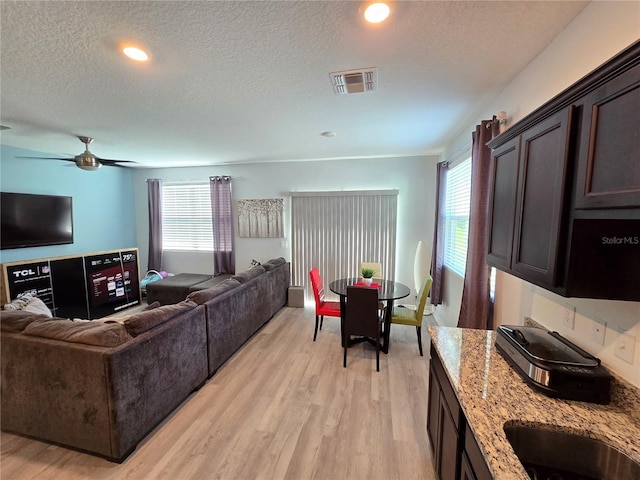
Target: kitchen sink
[[552, 455]]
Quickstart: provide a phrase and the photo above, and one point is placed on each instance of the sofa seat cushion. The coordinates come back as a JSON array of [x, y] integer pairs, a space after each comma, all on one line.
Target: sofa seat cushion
[[172, 290], [249, 274], [80, 331], [17, 320], [141, 322], [273, 263], [203, 296]]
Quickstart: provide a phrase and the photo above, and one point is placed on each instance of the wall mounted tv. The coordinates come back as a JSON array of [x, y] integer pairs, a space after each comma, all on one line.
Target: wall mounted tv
[[30, 220]]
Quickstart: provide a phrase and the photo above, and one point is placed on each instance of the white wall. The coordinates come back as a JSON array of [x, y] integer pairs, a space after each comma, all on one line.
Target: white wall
[[598, 33], [414, 177]]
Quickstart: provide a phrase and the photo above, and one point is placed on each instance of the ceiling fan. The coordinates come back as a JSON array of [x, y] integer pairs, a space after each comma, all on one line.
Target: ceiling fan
[[87, 160]]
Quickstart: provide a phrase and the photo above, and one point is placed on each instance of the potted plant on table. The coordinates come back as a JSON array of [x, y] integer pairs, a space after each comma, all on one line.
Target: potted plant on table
[[367, 274]]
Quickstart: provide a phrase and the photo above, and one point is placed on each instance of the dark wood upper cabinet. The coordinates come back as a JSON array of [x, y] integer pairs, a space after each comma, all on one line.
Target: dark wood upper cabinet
[[528, 178], [502, 206], [564, 207], [609, 154], [541, 193]]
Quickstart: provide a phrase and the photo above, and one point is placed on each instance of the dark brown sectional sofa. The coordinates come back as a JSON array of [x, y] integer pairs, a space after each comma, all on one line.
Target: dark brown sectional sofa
[[102, 386]]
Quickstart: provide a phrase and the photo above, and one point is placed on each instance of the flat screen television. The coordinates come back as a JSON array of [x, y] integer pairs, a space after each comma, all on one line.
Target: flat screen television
[[29, 220]]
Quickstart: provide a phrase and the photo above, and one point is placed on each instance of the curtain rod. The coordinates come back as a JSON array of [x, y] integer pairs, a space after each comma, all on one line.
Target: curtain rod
[[463, 148]]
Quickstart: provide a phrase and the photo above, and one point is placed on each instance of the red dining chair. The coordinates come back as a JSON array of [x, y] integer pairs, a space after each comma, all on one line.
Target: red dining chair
[[331, 309]]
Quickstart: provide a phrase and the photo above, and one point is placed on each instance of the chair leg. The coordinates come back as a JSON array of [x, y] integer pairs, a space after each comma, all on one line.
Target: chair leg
[[321, 321], [419, 332], [344, 360], [315, 332], [378, 355]]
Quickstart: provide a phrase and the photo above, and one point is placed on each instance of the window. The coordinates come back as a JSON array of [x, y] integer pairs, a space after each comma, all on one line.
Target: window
[[335, 231], [186, 217], [457, 200]]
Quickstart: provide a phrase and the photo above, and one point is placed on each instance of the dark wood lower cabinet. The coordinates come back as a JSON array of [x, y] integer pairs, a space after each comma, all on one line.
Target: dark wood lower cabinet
[[456, 454], [466, 472]]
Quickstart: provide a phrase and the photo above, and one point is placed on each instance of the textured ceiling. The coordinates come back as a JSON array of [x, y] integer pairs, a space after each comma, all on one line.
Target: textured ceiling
[[241, 81]]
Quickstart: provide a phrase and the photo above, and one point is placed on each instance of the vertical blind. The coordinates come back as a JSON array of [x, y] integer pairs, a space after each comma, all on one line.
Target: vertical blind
[[186, 217], [335, 231], [457, 201]]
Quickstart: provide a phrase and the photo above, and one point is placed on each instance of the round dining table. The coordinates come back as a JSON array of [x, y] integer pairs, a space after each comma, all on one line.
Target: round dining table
[[388, 291]]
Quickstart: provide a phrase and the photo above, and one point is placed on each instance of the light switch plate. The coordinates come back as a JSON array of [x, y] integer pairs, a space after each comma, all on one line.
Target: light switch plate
[[598, 327], [625, 347]]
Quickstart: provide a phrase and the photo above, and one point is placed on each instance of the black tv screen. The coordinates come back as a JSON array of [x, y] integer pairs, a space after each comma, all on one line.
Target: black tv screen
[[30, 220]]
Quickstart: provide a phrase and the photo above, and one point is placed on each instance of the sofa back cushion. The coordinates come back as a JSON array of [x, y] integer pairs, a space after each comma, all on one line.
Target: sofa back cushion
[[202, 296], [141, 322], [249, 274], [80, 331], [273, 263], [17, 320]]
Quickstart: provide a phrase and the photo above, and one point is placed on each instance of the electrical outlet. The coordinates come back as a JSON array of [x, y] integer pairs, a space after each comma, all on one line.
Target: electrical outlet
[[626, 347], [569, 316], [598, 327]]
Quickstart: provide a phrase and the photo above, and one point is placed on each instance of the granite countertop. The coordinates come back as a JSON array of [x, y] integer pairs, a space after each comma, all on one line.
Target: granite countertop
[[492, 394]]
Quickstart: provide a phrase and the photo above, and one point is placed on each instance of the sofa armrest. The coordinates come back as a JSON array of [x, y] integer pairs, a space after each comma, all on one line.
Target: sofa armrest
[[150, 376]]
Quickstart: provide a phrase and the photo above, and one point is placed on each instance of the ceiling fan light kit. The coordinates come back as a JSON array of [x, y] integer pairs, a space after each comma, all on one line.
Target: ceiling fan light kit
[[87, 160]]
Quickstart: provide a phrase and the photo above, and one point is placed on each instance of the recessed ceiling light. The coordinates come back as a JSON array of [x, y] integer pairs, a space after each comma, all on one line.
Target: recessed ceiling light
[[135, 54], [377, 12]]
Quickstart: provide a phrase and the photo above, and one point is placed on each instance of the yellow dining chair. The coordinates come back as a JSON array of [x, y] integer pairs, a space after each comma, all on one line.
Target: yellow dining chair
[[408, 316]]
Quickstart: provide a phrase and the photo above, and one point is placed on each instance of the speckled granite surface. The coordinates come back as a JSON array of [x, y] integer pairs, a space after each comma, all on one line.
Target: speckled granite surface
[[492, 394]]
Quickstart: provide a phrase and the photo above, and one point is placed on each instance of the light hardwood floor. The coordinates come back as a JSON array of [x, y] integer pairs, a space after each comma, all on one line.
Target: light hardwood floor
[[282, 408]]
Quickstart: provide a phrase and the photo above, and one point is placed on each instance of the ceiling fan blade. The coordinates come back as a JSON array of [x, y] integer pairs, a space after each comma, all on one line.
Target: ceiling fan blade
[[50, 158], [107, 161]]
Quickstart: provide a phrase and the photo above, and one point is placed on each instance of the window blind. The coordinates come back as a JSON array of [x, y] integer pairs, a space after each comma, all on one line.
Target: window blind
[[457, 202], [186, 217], [335, 231]]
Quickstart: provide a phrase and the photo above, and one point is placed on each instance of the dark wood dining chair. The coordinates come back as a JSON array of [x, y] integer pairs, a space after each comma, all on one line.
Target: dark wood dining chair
[[362, 317]]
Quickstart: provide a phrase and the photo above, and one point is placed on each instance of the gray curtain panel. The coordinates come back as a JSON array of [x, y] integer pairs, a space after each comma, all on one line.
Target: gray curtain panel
[[475, 310], [437, 256], [222, 222], [154, 187]]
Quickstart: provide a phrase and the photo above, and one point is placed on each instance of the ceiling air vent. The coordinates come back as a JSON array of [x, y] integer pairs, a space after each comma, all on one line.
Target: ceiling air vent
[[354, 81]]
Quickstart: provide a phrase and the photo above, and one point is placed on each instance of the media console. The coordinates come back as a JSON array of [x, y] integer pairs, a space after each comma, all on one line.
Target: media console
[[89, 286]]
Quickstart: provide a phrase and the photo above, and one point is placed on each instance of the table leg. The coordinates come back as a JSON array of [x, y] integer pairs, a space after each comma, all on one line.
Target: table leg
[[343, 302], [388, 312]]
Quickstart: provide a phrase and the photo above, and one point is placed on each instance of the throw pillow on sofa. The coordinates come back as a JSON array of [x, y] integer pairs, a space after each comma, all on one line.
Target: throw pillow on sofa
[[30, 303], [89, 333]]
